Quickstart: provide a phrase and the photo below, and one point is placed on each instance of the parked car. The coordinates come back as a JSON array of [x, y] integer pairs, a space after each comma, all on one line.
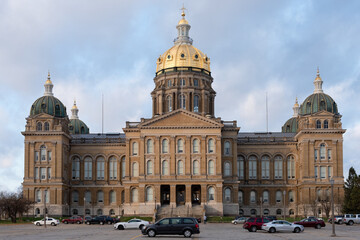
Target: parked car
[[282, 226], [239, 220], [73, 219], [311, 222], [173, 226], [272, 218], [133, 223], [350, 219], [253, 224], [49, 221], [101, 220], [338, 219]]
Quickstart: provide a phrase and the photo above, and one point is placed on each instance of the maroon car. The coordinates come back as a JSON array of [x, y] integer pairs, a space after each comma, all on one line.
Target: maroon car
[[252, 224], [73, 219], [311, 222]]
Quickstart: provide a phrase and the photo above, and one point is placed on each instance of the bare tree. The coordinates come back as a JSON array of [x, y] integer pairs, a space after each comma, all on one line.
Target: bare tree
[[314, 206], [325, 202], [304, 207]]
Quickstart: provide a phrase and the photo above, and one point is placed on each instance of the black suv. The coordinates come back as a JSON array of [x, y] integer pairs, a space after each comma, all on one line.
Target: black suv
[[100, 220], [173, 226]]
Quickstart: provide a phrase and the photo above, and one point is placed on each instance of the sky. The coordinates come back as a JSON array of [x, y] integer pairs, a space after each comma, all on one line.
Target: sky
[[110, 47]]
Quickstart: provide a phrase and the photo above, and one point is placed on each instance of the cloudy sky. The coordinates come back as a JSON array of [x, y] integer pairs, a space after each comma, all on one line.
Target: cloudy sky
[[110, 47]]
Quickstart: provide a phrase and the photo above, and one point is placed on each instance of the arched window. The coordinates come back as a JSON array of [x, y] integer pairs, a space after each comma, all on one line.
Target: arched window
[[123, 167], [211, 146], [291, 212], [100, 168], [265, 167], [46, 126], [252, 167], [99, 212], [227, 195], [278, 196], [100, 196], [240, 167], [291, 167], [322, 105], [182, 101], [266, 212], [291, 196], [38, 196], [253, 212], [134, 148], [265, 196], [82, 130], [227, 169], [180, 146], [134, 195], [111, 212], [76, 168], [211, 193], [149, 167], [113, 168], [75, 212], [47, 196], [308, 107], [278, 211], [169, 103], [322, 151], [75, 196], [88, 197], [149, 194], [135, 169], [326, 124], [88, 168], [37, 211], [252, 197], [196, 103], [87, 211], [180, 167], [278, 167], [227, 148], [196, 166], [165, 167], [165, 146], [196, 146], [149, 146], [43, 153], [38, 126], [112, 196], [240, 196], [318, 124], [211, 167], [241, 212]]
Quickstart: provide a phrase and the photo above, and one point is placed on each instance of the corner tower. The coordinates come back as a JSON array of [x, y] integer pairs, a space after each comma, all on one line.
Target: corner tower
[[183, 77]]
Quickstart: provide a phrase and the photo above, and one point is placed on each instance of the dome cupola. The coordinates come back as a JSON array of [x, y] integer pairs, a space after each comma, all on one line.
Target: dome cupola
[[76, 126], [291, 125]]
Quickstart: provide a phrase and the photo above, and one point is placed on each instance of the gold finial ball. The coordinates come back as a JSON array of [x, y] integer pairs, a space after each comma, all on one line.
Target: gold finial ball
[[183, 14]]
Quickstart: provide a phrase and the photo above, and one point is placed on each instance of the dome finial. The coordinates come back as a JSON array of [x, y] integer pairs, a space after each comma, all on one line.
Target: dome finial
[[183, 11], [48, 86], [318, 82], [296, 108]]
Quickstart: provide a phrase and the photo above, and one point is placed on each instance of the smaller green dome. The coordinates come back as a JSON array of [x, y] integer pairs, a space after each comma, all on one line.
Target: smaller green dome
[[76, 126], [290, 126], [317, 102], [50, 105]]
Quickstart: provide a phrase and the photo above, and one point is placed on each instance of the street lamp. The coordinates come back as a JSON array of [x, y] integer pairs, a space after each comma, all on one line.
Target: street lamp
[[84, 209], [284, 193], [332, 208], [261, 203]]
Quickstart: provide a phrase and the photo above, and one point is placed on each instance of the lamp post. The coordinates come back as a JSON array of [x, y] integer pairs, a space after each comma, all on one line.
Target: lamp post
[[332, 208], [261, 203], [45, 208], [284, 193], [84, 209]]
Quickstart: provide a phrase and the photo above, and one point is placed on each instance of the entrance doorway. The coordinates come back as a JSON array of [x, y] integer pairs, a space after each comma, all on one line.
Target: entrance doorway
[[180, 195], [165, 194], [196, 194]]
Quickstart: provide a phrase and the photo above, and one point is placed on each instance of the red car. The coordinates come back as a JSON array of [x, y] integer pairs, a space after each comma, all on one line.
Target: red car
[[73, 219], [311, 222], [253, 224]]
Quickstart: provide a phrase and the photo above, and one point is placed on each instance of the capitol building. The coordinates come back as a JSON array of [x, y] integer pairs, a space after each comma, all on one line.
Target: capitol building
[[184, 160]]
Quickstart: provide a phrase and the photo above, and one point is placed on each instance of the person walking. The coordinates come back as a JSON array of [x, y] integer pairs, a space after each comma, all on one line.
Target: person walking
[[205, 218]]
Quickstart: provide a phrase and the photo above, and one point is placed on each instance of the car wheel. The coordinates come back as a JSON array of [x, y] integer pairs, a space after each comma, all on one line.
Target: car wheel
[[37, 224], [351, 223], [88, 223], [101, 223], [66, 222], [272, 230], [78, 222], [120, 227], [53, 224], [235, 223], [187, 233], [141, 226], [318, 226], [340, 222], [253, 229], [296, 230], [109, 222], [151, 233]]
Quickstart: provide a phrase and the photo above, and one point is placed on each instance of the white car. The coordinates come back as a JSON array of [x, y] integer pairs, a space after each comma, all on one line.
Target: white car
[[282, 226], [49, 221], [239, 220], [133, 223]]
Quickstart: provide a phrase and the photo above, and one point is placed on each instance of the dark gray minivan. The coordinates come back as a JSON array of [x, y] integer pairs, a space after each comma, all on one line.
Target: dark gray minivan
[[173, 226]]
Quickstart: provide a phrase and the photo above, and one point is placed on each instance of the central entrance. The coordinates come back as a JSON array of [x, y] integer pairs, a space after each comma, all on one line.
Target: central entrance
[[180, 194], [195, 194], [165, 194]]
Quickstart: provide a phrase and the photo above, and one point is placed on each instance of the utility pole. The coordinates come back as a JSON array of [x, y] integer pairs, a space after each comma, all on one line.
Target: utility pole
[[45, 208], [332, 208], [84, 209], [261, 203], [284, 205]]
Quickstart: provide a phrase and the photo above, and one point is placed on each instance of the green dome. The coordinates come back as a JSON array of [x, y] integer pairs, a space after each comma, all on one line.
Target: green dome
[[76, 126], [318, 102], [50, 105], [290, 126]]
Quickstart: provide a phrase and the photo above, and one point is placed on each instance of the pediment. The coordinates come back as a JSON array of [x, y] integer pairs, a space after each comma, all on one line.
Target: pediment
[[322, 113], [43, 116]]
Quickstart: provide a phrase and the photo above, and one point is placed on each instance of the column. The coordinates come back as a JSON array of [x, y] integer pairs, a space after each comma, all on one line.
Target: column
[[173, 195], [188, 155], [188, 195], [203, 162]]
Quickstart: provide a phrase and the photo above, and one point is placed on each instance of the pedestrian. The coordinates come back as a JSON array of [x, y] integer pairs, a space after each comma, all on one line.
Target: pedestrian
[[205, 218]]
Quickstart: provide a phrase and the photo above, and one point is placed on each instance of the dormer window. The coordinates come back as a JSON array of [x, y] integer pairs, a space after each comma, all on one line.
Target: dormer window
[[318, 124], [326, 124]]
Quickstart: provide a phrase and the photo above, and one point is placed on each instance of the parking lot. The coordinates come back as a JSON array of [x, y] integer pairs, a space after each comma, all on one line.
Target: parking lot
[[208, 231]]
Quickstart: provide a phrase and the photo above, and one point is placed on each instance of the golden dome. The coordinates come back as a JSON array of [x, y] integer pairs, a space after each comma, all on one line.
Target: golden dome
[[48, 81], [183, 21], [74, 106]]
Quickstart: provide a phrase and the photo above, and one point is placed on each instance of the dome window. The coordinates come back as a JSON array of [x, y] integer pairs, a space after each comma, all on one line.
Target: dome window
[[196, 56], [159, 60], [322, 105], [182, 55], [43, 106], [168, 57]]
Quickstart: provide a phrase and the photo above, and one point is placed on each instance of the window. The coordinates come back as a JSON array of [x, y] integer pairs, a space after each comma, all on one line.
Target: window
[[278, 211], [196, 82], [134, 195], [326, 124], [134, 148], [49, 173], [36, 173], [37, 211], [39, 126], [211, 193], [169, 83], [87, 211], [100, 196], [165, 146], [76, 168], [111, 212], [180, 146], [182, 101], [240, 167], [240, 196], [47, 196], [196, 103], [43, 173], [182, 81], [252, 167], [123, 165], [49, 155], [316, 172], [36, 156], [43, 153], [265, 167], [322, 172], [278, 196], [322, 151], [46, 126], [165, 167], [195, 146], [253, 212], [113, 168], [180, 167], [149, 167], [196, 167], [252, 197], [265, 197], [329, 154], [266, 212], [227, 169], [211, 167], [112, 197], [88, 168], [38, 196], [291, 212], [316, 154], [99, 212], [169, 103], [100, 168], [149, 194], [75, 196], [322, 105], [227, 148], [329, 172], [135, 169], [318, 124], [278, 167], [211, 146], [149, 146], [291, 196], [319, 194], [291, 167], [88, 197], [227, 195]]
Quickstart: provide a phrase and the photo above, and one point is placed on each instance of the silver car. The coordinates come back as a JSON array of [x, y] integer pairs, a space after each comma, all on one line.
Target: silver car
[[282, 226], [239, 220], [133, 223]]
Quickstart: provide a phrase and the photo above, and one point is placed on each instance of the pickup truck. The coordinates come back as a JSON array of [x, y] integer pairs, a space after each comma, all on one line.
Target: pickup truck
[[350, 219]]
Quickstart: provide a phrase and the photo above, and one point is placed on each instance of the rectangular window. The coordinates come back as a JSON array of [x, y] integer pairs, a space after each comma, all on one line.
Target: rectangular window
[[252, 169], [36, 173], [322, 172], [265, 169], [316, 172], [240, 166], [43, 154], [49, 173], [113, 170], [329, 154], [123, 168], [88, 170], [43, 173], [278, 169], [196, 82], [329, 172], [316, 154], [49, 155], [100, 170], [36, 156]]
